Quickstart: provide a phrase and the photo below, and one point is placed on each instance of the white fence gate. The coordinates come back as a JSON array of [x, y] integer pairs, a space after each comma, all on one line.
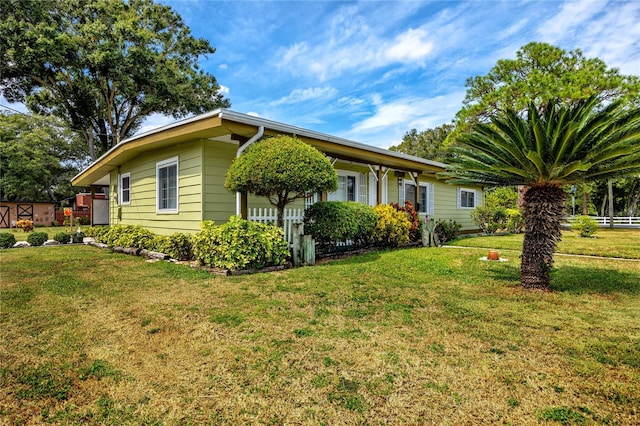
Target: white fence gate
[[270, 216]]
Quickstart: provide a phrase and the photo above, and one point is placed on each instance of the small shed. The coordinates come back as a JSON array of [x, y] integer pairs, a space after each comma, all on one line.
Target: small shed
[[43, 213]]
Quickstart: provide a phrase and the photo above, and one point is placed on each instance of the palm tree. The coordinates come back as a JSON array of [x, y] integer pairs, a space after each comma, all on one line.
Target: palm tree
[[545, 149]]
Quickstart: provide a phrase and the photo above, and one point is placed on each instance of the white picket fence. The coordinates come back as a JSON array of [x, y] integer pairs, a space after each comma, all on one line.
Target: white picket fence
[[622, 221], [270, 216]]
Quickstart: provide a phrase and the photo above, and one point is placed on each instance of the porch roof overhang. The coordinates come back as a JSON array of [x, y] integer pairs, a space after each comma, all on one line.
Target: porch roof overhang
[[224, 123]]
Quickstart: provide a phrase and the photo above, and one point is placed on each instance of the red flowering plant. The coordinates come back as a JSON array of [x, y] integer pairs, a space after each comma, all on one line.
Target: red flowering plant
[[412, 215]]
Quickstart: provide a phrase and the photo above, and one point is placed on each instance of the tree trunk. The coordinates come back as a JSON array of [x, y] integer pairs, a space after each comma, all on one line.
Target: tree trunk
[[610, 190], [543, 210]]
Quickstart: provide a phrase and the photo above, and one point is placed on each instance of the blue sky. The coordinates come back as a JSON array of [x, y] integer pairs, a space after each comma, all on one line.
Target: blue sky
[[371, 70]]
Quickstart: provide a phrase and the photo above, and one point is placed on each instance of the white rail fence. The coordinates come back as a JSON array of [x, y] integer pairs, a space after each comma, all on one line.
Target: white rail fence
[[621, 221], [270, 216]]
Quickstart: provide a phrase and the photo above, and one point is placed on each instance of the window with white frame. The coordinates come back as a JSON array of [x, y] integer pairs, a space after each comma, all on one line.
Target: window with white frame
[[425, 196], [467, 198], [167, 186], [347, 187], [124, 184]]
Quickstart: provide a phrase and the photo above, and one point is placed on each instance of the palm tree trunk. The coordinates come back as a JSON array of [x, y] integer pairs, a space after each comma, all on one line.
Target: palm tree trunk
[[543, 210]]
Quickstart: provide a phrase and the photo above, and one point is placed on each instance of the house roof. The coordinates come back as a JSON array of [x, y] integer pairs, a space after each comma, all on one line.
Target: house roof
[[224, 123]]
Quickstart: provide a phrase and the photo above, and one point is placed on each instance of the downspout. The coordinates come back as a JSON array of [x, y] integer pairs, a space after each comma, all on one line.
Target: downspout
[[238, 153]]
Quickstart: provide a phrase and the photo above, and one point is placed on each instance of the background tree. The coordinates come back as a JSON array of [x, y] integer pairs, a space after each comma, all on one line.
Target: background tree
[[283, 169], [426, 144], [540, 73], [103, 65], [563, 145], [38, 158]]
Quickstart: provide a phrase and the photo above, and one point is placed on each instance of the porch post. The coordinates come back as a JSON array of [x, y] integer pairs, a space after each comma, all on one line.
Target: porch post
[[93, 196], [379, 186], [417, 192]]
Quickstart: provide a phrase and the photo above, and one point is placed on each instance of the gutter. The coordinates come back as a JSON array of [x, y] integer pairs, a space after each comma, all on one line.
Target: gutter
[[238, 153]]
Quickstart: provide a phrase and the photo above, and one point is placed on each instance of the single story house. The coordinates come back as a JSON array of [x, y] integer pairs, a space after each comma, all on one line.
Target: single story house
[[172, 178]]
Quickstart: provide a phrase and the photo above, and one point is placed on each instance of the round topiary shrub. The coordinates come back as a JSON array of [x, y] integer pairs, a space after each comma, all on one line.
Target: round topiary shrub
[[37, 238], [7, 240], [586, 225], [62, 237]]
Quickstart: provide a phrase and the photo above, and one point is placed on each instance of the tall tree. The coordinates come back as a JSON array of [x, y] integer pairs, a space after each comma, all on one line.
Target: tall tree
[[542, 72], [563, 145], [103, 65], [38, 158], [426, 144], [283, 169]]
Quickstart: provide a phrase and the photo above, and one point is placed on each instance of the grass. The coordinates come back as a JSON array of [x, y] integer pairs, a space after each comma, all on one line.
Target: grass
[[622, 243], [403, 337], [50, 230]]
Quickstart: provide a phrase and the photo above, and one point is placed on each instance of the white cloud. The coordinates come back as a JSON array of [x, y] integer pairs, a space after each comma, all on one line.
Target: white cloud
[[224, 90], [573, 15], [223, 66], [253, 114], [391, 120], [412, 46], [301, 95]]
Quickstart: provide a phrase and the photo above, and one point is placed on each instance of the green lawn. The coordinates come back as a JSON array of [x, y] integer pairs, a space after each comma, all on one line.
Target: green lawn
[[416, 336], [623, 243]]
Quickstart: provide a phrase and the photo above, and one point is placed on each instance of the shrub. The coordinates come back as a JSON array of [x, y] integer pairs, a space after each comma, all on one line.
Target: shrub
[[62, 237], [83, 220], [37, 238], [126, 236], [449, 229], [586, 225], [7, 240], [489, 219], [332, 221], [176, 245], [96, 232], [515, 221], [240, 244], [25, 224], [392, 227], [414, 219]]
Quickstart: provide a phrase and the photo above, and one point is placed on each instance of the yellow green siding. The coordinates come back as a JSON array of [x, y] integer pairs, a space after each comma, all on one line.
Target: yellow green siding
[[142, 209], [218, 203]]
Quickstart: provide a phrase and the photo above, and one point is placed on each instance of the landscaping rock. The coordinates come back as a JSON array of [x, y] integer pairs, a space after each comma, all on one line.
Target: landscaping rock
[[20, 244], [51, 243]]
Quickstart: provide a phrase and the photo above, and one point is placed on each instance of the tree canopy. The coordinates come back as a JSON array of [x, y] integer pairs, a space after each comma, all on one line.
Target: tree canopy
[[426, 144], [103, 65], [283, 169], [38, 158], [542, 72], [546, 148]]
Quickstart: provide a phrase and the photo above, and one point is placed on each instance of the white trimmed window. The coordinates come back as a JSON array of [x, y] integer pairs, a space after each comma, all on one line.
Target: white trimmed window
[[467, 198], [425, 197], [167, 186], [124, 183], [347, 187]]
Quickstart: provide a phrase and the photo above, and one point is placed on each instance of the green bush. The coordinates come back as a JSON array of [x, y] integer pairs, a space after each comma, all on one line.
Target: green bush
[[586, 225], [489, 219], [37, 238], [515, 221], [126, 236], [176, 245], [62, 237], [7, 240], [332, 221], [96, 231], [449, 229], [240, 244], [392, 228]]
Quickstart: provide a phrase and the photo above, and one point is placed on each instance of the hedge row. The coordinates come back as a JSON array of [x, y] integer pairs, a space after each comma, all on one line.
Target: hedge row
[[237, 244]]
